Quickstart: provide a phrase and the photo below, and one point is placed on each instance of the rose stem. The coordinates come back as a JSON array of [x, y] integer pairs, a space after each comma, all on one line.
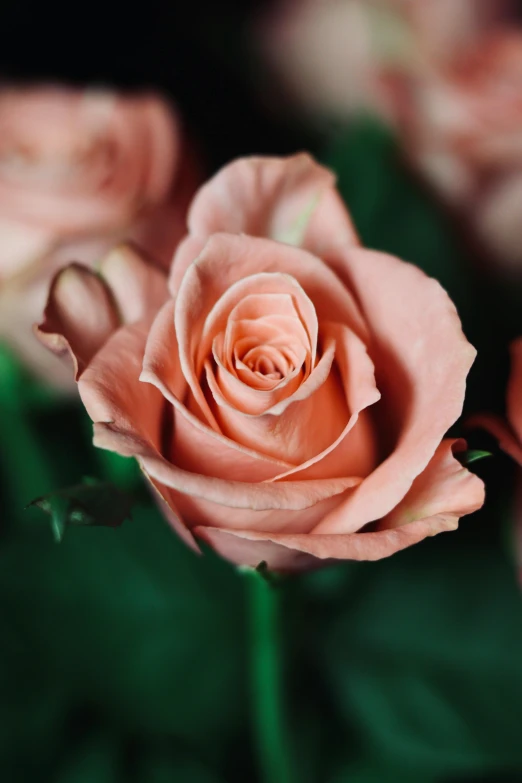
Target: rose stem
[[267, 697]]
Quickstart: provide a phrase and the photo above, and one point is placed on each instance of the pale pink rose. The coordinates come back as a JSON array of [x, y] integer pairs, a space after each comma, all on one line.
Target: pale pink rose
[[81, 170], [289, 396], [335, 57], [446, 74], [461, 126]]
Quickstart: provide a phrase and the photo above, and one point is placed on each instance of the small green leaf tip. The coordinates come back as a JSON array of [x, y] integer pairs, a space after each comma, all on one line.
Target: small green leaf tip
[[472, 455], [92, 503]]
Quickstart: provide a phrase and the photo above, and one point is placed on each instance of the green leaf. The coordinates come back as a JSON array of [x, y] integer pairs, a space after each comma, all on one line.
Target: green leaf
[[135, 625], [93, 503], [422, 652], [472, 455]]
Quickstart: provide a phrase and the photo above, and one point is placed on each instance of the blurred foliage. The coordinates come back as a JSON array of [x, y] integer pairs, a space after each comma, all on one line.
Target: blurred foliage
[[123, 654]]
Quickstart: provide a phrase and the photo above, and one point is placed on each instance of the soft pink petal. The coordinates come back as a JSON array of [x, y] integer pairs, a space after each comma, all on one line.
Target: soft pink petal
[[208, 465], [186, 253], [445, 488], [275, 198], [112, 392], [138, 287], [354, 452], [422, 360], [80, 315], [261, 287], [226, 260], [323, 547], [196, 447], [438, 498], [292, 429], [166, 501], [200, 512]]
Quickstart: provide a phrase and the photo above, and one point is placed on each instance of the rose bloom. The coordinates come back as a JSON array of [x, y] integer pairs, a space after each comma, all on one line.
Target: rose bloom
[[461, 126], [288, 393], [445, 74], [79, 171], [334, 57]]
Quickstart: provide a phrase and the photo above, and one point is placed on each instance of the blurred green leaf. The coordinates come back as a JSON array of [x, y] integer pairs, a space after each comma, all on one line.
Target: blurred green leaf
[[93, 503], [135, 625], [423, 655]]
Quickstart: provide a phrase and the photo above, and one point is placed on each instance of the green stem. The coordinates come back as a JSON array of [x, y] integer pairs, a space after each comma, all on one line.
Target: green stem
[[268, 714]]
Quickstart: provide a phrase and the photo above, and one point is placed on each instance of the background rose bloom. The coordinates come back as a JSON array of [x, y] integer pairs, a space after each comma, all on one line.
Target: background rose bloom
[[289, 397], [79, 171], [336, 56], [461, 123], [446, 75]]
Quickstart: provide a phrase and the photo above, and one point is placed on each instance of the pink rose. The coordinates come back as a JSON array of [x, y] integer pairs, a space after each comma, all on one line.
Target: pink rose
[[289, 395], [461, 125], [80, 170], [335, 56]]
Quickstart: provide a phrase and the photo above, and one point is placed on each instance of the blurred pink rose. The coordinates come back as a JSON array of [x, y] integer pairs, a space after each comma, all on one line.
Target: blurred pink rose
[[289, 395], [335, 57], [80, 170], [461, 126]]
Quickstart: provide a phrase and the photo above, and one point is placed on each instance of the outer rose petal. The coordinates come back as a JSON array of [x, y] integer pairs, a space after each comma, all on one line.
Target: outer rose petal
[[138, 288], [84, 309], [436, 500], [422, 360], [288, 199], [79, 317]]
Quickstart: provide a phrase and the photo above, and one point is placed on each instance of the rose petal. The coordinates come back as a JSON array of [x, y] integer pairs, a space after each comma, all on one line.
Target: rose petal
[[290, 429], [198, 448], [275, 198], [112, 392], [354, 452], [79, 317], [445, 492], [422, 359], [199, 512], [228, 259], [138, 287], [270, 294], [445, 488]]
